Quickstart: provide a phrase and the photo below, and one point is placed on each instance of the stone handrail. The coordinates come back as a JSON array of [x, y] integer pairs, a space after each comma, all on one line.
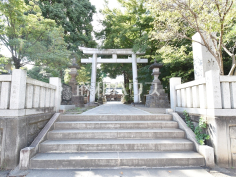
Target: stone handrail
[[212, 95], [21, 95]]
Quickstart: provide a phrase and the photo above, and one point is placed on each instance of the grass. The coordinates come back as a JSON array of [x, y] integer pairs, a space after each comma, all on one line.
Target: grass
[[79, 110]]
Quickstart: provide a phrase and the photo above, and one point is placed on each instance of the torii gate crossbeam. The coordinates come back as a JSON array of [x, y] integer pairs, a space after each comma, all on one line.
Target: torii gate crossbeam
[[114, 52]]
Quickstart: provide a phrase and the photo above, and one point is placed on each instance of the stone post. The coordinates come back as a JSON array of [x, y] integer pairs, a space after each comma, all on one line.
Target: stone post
[[93, 79], [57, 82], [174, 81], [203, 59], [135, 76], [213, 90], [18, 89]]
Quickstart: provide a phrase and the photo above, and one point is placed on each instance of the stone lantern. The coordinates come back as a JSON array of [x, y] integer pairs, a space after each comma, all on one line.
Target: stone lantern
[[157, 97], [73, 72], [77, 99]]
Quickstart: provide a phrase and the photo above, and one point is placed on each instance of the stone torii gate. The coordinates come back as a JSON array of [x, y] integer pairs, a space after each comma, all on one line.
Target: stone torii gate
[[114, 52]]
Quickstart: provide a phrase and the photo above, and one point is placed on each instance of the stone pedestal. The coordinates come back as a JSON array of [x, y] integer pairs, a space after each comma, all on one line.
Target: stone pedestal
[[157, 97], [78, 101]]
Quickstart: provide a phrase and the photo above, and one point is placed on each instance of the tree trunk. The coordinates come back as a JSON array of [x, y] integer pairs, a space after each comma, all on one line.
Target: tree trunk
[[233, 63], [16, 62], [221, 65], [233, 60]]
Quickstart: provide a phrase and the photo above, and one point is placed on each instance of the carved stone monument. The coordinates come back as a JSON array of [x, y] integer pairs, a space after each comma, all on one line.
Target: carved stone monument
[[203, 59], [66, 95], [157, 97], [77, 100]]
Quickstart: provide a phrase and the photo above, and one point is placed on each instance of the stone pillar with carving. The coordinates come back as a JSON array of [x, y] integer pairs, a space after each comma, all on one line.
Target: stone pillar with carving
[[157, 97], [77, 100]]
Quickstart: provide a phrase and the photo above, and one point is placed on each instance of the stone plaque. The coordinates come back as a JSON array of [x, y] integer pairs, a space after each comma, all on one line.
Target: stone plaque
[[203, 59], [66, 95]]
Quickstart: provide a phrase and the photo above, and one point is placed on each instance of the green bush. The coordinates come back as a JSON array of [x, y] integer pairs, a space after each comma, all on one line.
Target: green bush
[[200, 135], [188, 121], [198, 130]]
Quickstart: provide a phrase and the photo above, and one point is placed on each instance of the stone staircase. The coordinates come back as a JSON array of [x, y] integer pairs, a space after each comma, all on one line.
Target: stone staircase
[[106, 141]]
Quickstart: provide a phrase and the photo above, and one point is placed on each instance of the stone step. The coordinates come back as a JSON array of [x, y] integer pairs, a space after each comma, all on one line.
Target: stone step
[[153, 117], [115, 124], [115, 134], [115, 159], [110, 145]]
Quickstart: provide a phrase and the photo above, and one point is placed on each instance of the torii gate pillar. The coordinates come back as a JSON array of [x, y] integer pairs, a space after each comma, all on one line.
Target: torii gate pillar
[[135, 80], [93, 79]]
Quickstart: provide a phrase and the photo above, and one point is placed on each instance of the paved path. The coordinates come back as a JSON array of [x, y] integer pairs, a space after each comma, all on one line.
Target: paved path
[[116, 108], [135, 172]]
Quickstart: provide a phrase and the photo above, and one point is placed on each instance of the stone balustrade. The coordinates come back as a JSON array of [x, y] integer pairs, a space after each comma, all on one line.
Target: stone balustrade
[[213, 95], [21, 95]]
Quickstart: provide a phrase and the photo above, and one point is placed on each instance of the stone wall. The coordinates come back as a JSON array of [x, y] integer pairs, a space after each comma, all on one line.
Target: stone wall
[[223, 134], [18, 132], [222, 131], [232, 133]]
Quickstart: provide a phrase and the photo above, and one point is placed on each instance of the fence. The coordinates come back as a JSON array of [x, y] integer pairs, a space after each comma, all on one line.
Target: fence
[[212, 95], [21, 95]]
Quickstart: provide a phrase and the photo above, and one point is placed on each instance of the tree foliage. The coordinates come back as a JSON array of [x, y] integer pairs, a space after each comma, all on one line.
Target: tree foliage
[[132, 27], [127, 28], [3, 62], [212, 19], [75, 16], [30, 37], [40, 73], [177, 62]]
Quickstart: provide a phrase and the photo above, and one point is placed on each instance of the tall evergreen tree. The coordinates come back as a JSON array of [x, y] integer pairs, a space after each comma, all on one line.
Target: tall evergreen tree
[[75, 16]]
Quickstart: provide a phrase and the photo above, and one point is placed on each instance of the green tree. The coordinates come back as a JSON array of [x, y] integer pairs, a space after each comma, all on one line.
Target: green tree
[[75, 16], [211, 19], [133, 28], [177, 62], [127, 28], [29, 37], [3, 62]]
